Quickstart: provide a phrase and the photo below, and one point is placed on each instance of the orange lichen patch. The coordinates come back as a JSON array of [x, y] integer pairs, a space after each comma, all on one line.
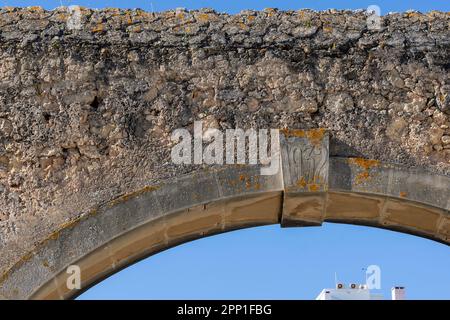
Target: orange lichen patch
[[98, 28], [270, 11], [301, 182], [362, 176], [313, 187], [203, 17], [4, 276], [365, 165], [413, 14], [36, 9], [246, 182], [180, 15], [250, 18], [403, 194], [293, 133], [315, 136], [129, 20], [246, 179], [312, 184]]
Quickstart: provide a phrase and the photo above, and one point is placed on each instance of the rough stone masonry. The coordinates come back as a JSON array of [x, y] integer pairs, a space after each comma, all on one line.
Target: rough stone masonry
[[86, 113]]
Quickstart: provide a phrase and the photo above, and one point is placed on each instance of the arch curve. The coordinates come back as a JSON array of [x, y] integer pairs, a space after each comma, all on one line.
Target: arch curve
[[209, 202]]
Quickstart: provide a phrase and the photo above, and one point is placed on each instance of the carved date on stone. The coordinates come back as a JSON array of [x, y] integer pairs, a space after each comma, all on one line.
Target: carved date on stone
[[304, 155]]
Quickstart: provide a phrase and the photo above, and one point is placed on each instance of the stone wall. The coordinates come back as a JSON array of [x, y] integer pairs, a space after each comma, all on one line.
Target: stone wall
[[87, 109]]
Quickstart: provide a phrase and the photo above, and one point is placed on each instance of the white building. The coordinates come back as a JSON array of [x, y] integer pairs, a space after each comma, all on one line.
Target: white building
[[357, 292], [398, 293]]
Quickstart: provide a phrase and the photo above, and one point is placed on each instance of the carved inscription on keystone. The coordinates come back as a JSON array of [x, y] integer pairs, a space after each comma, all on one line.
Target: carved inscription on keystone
[[304, 155]]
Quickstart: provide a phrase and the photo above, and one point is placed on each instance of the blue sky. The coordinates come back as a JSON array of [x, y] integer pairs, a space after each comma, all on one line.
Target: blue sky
[[270, 262], [293, 263]]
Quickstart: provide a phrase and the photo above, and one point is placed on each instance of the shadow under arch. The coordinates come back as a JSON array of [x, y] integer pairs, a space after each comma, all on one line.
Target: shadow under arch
[[135, 226]]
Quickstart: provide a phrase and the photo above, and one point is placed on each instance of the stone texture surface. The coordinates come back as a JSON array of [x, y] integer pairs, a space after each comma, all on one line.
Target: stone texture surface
[[86, 113]]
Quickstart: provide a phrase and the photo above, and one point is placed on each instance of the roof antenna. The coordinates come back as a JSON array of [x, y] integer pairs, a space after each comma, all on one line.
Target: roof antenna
[[335, 279]]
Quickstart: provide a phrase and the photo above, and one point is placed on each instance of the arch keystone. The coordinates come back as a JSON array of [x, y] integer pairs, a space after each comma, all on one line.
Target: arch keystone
[[305, 163]]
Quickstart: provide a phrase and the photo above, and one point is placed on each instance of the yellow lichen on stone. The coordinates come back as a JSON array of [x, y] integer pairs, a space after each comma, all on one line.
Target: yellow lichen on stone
[[312, 185], [270, 11], [365, 165], [315, 136], [36, 9], [413, 14], [250, 182], [98, 28], [203, 17], [301, 182], [4, 276], [299, 133]]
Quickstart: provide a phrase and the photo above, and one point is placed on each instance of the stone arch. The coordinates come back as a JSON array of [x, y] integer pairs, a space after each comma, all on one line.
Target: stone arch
[[211, 201], [86, 116]]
